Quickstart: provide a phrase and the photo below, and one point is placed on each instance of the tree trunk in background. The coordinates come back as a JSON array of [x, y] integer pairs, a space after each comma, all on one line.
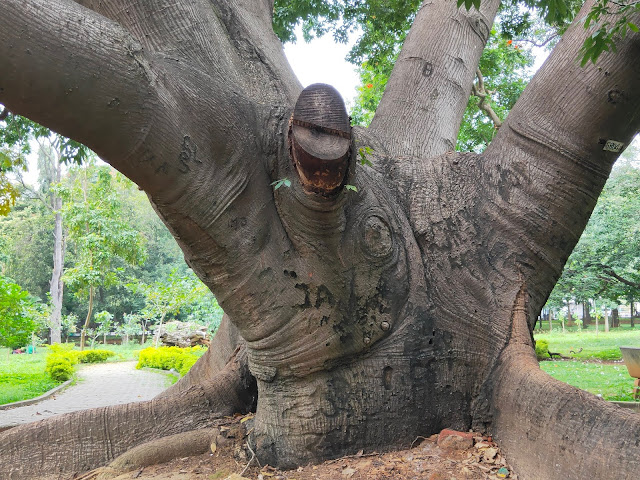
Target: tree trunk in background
[[606, 319], [586, 316], [56, 284], [615, 318], [83, 334], [355, 319]]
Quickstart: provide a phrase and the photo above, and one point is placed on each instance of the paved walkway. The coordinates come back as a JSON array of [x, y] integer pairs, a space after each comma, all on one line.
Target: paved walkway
[[98, 385]]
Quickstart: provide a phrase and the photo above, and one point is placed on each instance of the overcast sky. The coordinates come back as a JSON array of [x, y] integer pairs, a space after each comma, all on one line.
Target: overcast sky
[[323, 61]]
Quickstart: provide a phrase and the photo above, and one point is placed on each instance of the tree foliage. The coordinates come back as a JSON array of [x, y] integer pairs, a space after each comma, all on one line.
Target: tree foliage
[[21, 314]]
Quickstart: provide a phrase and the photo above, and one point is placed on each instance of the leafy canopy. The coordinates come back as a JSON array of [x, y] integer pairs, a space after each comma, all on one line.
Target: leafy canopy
[[20, 315]]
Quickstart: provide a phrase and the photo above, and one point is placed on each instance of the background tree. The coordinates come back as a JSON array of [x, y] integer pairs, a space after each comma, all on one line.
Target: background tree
[[358, 318], [19, 313], [167, 297], [98, 232]]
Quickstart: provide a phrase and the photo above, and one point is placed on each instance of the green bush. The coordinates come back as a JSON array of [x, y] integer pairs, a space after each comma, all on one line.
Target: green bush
[[608, 354], [59, 367], [542, 349], [94, 356], [168, 358]]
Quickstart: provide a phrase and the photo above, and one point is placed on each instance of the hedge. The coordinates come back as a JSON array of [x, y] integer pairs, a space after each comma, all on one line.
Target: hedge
[[170, 358]]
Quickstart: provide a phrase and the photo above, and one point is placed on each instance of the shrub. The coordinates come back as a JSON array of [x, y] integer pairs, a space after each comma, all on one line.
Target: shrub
[[608, 354], [59, 367], [542, 349], [168, 358], [94, 356]]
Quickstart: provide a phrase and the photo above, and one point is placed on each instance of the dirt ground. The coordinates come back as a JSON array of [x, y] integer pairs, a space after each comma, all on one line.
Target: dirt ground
[[449, 456]]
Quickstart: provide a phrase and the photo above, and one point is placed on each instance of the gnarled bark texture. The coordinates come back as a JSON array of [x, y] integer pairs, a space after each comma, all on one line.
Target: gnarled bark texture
[[367, 317]]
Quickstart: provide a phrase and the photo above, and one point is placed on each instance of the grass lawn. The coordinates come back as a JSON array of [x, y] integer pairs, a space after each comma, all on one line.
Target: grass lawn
[[604, 346], [23, 376], [612, 382]]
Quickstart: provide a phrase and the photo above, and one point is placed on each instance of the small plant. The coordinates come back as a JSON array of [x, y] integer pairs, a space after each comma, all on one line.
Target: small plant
[[363, 152], [542, 349], [278, 183]]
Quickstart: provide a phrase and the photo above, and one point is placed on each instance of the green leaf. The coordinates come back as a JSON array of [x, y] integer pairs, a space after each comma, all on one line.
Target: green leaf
[[351, 187], [278, 183], [633, 27]]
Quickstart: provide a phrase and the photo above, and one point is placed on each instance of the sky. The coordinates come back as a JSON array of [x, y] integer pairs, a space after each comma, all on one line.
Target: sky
[[323, 61]]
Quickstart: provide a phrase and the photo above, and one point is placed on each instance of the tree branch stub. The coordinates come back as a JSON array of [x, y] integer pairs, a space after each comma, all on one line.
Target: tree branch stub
[[320, 139]]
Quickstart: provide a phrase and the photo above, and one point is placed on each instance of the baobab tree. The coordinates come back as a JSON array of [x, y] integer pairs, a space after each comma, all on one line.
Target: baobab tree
[[372, 300]]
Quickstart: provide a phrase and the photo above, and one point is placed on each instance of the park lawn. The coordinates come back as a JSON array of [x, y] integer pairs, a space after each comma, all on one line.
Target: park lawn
[[604, 346], [611, 382], [23, 376]]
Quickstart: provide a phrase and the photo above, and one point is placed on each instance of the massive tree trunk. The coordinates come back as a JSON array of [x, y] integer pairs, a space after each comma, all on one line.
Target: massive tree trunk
[[368, 317]]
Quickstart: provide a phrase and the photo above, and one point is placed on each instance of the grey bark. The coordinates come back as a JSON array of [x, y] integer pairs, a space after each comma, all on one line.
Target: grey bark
[[57, 285], [368, 317]]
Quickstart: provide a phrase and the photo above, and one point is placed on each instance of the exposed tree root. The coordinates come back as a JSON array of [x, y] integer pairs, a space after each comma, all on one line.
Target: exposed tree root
[[158, 451], [81, 441], [549, 429]]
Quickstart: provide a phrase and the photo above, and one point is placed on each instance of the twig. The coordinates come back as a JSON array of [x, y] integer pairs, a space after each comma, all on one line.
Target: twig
[[253, 457], [417, 438], [372, 454]]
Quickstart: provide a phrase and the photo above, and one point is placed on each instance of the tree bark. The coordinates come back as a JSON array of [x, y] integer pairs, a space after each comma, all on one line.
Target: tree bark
[[83, 333], [586, 316], [369, 317]]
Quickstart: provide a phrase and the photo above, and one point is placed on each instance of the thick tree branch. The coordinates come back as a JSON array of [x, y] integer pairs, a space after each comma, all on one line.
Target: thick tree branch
[[606, 269], [426, 96], [555, 150], [74, 71], [205, 33]]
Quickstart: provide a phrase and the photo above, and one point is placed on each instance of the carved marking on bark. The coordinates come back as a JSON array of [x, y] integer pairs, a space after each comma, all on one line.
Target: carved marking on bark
[[324, 295], [427, 70], [387, 375], [305, 288], [615, 96], [188, 153]]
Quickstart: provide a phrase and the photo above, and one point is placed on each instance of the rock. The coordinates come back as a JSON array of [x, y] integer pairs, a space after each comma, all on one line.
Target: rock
[[489, 455], [348, 472], [454, 440], [182, 334]]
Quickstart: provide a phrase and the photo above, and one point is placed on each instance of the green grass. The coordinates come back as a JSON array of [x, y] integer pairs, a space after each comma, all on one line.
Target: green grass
[[612, 382], [604, 346], [23, 376]]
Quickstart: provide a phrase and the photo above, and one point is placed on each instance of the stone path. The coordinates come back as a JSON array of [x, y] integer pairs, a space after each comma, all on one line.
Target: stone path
[[98, 385]]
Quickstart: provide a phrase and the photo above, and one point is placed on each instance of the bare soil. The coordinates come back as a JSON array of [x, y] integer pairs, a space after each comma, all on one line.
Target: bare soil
[[230, 459]]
